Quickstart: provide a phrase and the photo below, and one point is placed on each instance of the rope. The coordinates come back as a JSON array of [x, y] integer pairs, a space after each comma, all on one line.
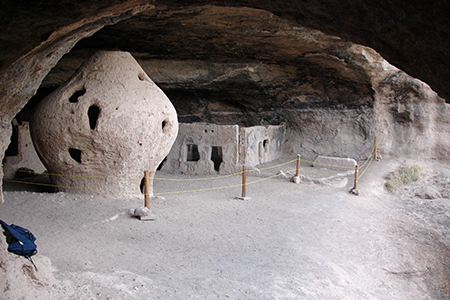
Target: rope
[[370, 158], [69, 187], [133, 193], [152, 178], [368, 165], [367, 162]]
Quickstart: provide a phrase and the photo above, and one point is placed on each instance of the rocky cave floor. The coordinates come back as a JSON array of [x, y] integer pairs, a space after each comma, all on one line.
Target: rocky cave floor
[[312, 240]]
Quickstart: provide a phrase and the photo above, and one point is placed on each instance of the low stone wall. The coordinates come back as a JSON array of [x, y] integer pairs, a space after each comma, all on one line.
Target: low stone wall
[[335, 163], [261, 144]]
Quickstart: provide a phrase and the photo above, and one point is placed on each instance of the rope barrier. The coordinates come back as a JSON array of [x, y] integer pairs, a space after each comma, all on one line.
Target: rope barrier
[[70, 187], [151, 178], [363, 170], [371, 156]]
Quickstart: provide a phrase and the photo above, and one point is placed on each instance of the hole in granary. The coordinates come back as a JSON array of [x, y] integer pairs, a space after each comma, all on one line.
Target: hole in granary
[[142, 185], [164, 124], [141, 77], [216, 157], [93, 113], [76, 95], [75, 154], [266, 144], [192, 153]]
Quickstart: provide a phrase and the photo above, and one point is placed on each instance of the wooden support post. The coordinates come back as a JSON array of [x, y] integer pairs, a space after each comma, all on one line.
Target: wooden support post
[[354, 190], [244, 181], [297, 171], [355, 186], [375, 154], [244, 185], [147, 189]]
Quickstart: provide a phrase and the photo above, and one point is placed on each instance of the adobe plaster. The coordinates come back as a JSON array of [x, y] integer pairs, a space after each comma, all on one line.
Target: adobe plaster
[[202, 149], [102, 129]]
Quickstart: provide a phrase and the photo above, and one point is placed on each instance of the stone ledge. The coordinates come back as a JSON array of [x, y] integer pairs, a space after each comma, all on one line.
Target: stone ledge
[[335, 163]]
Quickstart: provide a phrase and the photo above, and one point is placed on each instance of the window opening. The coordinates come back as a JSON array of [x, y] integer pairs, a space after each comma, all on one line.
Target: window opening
[[266, 144], [93, 113], [76, 95], [75, 154], [192, 152], [216, 157]]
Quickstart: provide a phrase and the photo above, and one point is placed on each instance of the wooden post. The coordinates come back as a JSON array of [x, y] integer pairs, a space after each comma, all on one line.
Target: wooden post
[[355, 187], [375, 155], [147, 189], [244, 181], [297, 171]]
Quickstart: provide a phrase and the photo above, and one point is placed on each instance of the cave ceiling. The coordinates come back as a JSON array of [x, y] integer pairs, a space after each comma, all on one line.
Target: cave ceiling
[[234, 59], [248, 55]]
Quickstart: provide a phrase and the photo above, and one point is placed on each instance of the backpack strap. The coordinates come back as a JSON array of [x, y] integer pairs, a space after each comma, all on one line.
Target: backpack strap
[[30, 259]]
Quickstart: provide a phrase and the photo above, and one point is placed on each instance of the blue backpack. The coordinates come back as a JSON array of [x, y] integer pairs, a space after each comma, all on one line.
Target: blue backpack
[[20, 241]]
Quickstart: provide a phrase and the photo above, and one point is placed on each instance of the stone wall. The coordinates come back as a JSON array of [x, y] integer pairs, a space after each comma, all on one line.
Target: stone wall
[[21, 153], [202, 148], [260, 144]]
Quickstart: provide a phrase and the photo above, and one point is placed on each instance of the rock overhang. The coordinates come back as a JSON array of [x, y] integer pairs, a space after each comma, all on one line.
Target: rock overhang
[[245, 57], [413, 36]]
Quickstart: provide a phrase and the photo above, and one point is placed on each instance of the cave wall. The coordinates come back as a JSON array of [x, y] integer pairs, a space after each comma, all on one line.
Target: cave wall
[[326, 98], [412, 120], [323, 115], [251, 63]]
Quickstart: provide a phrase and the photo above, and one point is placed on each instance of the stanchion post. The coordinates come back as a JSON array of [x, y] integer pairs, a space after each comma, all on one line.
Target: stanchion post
[[375, 154], [143, 212], [244, 181], [355, 186], [147, 189], [354, 190], [244, 185], [297, 171]]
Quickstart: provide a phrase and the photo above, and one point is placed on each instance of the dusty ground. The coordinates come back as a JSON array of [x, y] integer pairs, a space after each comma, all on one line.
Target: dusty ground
[[289, 241]]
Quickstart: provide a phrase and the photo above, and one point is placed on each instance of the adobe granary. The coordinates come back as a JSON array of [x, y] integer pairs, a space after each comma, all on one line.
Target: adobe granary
[[103, 128]]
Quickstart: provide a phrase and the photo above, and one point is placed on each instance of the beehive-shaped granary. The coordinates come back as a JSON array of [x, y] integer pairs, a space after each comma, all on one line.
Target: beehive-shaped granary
[[103, 128]]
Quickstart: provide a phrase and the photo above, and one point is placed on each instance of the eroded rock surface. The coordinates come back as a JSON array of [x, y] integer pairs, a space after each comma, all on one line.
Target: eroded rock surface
[[247, 66]]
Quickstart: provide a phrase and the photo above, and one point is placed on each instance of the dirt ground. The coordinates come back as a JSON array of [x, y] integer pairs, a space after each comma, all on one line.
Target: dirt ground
[[312, 240]]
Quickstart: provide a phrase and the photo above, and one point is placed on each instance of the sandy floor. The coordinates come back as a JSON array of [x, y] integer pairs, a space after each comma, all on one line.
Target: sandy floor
[[289, 241]]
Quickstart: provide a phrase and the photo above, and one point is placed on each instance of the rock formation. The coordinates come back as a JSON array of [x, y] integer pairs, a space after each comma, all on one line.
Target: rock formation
[[102, 129], [253, 63], [249, 63]]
